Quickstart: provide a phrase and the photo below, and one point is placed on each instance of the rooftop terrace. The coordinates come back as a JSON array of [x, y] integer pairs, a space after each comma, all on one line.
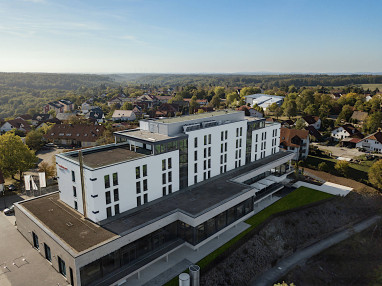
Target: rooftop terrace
[[196, 116]]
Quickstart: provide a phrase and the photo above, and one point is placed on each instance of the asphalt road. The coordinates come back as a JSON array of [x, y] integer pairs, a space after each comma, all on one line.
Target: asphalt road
[[284, 266]]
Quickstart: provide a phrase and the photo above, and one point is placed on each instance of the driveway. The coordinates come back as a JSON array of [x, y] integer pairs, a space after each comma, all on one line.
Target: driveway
[[47, 154], [340, 151], [20, 263]]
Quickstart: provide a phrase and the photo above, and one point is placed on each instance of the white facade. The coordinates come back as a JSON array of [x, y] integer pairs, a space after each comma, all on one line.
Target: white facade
[[316, 125], [370, 145], [339, 133]]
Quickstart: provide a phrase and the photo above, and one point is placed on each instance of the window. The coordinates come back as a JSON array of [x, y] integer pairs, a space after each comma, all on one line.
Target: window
[[139, 201], [170, 189], [209, 174], [108, 197], [225, 158], [35, 241], [75, 205], [221, 159], [137, 172], [195, 179], [169, 163], [237, 132], [241, 131], [209, 151], [205, 165], [74, 191], [108, 212], [145, 199], [225, 146], [221, 169], [115, 179], [145, 185], [237, 143], [205, 139], [204, 175], [144, 170], [163, 164], [221, 148], [240, 142], [222, 135], [138, 187], [195, 167], [236, 154], [195, 155], [209, 163], [196, 142], [226, 134], [209, 138], [169, 177], [73, 177], [205, 152], [164, 190], [116, 195], [116, 209], [61, 266], [225, 168], [107, 181], [48, 254], [164, 178]]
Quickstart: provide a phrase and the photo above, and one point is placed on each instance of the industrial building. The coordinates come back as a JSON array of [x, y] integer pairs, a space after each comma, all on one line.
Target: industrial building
[[171, 182]]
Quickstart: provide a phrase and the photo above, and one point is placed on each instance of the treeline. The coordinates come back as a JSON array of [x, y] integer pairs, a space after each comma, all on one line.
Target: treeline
[[230, 80], [51, 80]]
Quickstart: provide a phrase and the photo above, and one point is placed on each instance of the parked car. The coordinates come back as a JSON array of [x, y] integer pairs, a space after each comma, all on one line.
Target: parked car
[[12, 187], [9, 210]]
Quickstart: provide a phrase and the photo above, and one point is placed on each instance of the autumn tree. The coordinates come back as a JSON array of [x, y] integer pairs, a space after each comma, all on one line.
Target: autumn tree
[[193, 105], [15, 156], [49, 170], [343, 167], [34, 139], [375, 174], [220, 91], [300, 123], [127, 106], [345, 114], [215, 101], [248, 90]]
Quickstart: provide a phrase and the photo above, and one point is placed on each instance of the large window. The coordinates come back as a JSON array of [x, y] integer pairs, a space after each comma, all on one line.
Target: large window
[[35, 241], [107, 181], [61, 266], [108, 197], [48, 254], [74, 191], [144, 170], [115, 179], [137, 172], [108, 212], [73, 176], [116, 195]]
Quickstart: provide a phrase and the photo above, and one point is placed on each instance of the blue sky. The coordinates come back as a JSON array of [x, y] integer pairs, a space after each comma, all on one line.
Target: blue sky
[[190, 36]]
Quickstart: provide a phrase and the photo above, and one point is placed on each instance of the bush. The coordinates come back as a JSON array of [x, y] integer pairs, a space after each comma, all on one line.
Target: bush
[[323, 166]]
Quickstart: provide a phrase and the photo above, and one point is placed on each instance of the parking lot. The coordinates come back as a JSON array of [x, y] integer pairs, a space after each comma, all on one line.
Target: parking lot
[[20, 263], [340, 151]]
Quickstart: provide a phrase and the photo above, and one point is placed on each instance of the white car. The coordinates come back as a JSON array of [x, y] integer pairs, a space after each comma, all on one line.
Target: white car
[[9, 210]]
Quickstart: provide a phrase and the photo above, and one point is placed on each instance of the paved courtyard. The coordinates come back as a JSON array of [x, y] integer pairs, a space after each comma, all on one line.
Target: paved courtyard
[[20, 263], [340, 151]]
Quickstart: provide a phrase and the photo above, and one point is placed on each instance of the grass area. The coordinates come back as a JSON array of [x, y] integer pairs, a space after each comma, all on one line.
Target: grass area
[[358, 171], [299, 197]]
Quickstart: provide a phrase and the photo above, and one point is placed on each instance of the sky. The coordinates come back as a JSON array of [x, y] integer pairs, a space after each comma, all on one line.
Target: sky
[[177, 36]]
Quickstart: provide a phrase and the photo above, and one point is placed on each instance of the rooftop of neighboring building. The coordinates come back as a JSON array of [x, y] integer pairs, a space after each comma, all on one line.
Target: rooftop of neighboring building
[[19, 123], [78, 132], [314, 132], [258, 95], [359, 115], [144, 135], [196, 116], [288, 136], [375, 136], [69, 225], [310, 119]]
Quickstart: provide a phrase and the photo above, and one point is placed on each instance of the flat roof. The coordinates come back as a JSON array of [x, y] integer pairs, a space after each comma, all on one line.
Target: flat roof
[[103, 156], [194, 201], [196, 116], [68, 224]]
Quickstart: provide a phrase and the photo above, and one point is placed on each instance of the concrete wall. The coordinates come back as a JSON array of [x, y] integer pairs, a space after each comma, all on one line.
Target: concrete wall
[[330, 188]]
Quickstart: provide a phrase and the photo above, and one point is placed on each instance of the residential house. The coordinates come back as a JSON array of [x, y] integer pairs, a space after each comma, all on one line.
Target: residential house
[[65, 116], [148, 100], [295, 140], [138, 111], [78, 135], [289, 123], [359, 116], [48, 123], [60, 106], [18, 123], [68, 105], [119, 101], [315, 135], [95, 115], [371, 143], [37, 118], [2, 182], [314, 121], [25, 117], [123, 115], [164, 98], [345, 131]]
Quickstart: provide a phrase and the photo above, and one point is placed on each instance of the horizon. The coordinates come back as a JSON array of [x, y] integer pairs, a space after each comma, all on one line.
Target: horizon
[[179, 37]]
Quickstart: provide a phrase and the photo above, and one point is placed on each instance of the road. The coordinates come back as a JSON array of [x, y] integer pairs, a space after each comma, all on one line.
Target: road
[[284, 266]]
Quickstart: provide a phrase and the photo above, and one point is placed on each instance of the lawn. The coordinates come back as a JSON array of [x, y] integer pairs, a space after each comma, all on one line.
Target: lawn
[[299, 197]]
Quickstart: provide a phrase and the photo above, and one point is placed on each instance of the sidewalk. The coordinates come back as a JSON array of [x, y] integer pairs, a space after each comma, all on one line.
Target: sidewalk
[[284, 266]]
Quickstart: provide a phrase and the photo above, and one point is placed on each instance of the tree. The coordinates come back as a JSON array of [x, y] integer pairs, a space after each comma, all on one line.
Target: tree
[[343, 167], [272, 107], [193, 105], [375, 174], [49, 170], [232, 97], [220, 91], [34, 140], [52, 112], [290, 108], [345, 114], [323, 166], [300, 123], [278, 112], [373, 122], [215, 101], [15, 156], [127, 106], [248, 90]]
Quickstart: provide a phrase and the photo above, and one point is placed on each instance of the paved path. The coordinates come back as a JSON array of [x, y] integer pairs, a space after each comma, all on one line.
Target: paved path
[[284, 266]]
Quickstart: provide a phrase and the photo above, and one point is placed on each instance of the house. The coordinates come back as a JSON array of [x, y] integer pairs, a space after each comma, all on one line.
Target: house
[[86, 107], [164, 110], [2, 182], [65, 116], [79, 135], [295, 140], [148, 100], [371, 143], [359, 116], [25, 117], [315, 135], [95, 115], [18, 123], [60, 106], [123, 115], [164, 98], [264, 100], [119, 101], [48, 123], [37, 118], [314, 121], [126, 205], [289, 123], [345, 131], [250, 111], [138, 111]]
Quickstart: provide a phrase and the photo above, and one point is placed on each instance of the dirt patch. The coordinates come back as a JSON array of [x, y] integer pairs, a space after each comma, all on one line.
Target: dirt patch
[[284, 234], [357, 186], [355, 261]]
